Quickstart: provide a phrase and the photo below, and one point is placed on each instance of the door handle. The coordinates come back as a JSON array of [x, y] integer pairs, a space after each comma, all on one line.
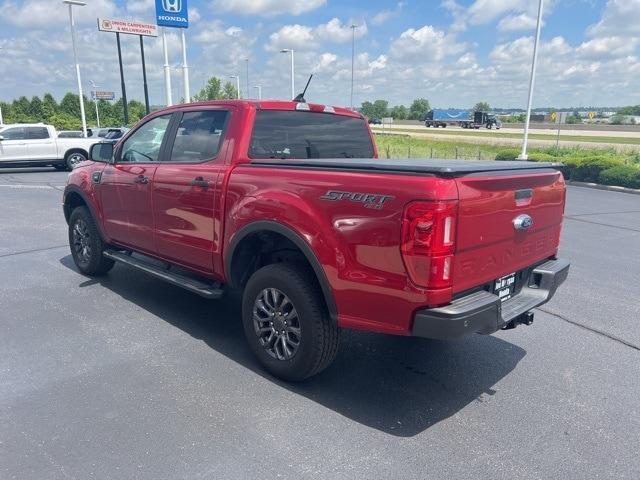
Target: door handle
[[141, 179], [199, 182]]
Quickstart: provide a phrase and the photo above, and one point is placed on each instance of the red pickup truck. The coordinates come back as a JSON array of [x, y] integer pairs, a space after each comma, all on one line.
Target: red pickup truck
[[288, 202]]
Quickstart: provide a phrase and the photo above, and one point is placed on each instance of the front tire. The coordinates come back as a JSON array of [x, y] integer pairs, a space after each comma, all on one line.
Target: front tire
[[86, 244], [286, 322]]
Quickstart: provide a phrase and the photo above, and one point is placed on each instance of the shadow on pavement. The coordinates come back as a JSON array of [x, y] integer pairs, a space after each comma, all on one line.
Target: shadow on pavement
[[398, 385]]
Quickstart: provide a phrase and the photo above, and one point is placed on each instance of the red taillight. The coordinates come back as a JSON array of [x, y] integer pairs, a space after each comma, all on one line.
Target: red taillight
[[428, 242]]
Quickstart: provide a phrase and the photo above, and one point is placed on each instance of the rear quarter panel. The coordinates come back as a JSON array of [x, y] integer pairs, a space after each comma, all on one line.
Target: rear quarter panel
[[358, 247]]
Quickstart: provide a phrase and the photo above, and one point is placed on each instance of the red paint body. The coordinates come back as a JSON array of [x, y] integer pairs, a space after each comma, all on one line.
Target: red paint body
[[358, 248]]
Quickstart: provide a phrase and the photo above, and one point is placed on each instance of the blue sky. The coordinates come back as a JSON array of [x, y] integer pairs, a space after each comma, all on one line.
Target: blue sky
[[453, 52]]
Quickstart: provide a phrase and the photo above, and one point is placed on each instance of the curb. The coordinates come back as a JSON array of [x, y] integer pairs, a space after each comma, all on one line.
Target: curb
[[609, 188]]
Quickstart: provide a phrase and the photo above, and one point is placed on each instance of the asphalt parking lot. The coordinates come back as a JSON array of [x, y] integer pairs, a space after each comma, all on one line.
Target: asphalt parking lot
[[128, 377]]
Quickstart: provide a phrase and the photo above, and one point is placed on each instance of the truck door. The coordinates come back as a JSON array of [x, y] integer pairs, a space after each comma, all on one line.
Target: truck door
[[40, 144], [13, 146], [125, 186], [186, 190]]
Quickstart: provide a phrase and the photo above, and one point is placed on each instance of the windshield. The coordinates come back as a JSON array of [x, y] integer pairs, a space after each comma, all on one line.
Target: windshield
[[301, 134]]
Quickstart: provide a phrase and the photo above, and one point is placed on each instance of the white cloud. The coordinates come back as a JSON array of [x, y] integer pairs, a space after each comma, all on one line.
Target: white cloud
[[515, 23], [425, 44], [336, 31], [268, 8], [297, 37], [45, 13], [383, 15], [302, 37], [620, 18]]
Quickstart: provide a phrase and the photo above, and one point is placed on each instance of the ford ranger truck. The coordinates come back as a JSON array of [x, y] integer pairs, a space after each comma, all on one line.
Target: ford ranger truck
[[288, 203]]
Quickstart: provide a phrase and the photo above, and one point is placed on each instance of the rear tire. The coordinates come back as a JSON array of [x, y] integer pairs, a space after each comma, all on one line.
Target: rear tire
[[71, 159], [286, 322], [86, 244]]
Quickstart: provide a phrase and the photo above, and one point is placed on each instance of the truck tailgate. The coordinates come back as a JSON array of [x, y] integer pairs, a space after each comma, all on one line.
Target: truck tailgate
[[489, 244]]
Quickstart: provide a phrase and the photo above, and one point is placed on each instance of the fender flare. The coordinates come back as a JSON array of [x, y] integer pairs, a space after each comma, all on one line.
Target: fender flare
[[74, 189], [298, 241]]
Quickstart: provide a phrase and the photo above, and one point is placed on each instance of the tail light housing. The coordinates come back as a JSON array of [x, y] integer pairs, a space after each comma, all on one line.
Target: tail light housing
[[428, 242]]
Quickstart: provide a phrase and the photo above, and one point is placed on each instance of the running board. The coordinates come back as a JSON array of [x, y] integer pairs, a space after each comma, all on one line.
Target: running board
[[204, 289]]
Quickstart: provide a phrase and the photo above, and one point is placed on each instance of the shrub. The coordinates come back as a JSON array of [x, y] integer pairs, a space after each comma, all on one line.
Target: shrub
[[588, 169], [507, 154], [621, 175]]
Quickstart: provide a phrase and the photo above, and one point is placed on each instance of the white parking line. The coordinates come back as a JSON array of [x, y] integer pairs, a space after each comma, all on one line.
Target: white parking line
[[45, 187]]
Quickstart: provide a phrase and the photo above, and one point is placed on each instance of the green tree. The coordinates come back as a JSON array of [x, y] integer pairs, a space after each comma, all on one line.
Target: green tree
[[399, 112], [49, 107], [136, 111], [419, 108], [6, 112], [229, 91], [36, 112], [20, 110], [70, 105], [367, 109], [482, 107], [215, 90], [381, 108], [64, 121]]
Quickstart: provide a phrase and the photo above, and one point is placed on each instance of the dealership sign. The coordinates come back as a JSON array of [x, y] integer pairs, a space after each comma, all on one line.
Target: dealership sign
[[101, 95], [123, 26], [172, 13]]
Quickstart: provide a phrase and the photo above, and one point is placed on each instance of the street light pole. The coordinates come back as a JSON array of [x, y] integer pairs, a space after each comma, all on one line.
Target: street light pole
[[247, 89], [185, 69], [259, 88], [525, 140], [353, 54], [1, 120], [72, 25], [167, 70], [237, 77], [95, 99], [293, 83]]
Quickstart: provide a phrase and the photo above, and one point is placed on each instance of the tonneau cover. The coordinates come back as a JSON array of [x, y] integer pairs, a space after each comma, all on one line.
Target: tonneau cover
[[442, 168]]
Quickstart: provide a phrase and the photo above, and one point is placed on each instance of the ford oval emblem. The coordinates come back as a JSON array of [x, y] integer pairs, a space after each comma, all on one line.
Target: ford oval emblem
[[522, 222]]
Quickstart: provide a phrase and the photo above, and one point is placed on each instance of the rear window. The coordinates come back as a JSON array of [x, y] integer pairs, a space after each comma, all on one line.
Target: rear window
[[300, 134]]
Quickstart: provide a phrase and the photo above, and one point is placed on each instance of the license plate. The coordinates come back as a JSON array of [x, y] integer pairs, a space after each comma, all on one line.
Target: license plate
[[505, 286]]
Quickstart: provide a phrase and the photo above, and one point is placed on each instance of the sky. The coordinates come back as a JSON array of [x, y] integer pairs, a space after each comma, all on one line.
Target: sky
[[452, 52]]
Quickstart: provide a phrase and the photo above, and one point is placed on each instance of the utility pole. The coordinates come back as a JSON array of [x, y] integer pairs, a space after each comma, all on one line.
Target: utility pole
[[72, 25], [525, 140], [353, 55], [125, 104]]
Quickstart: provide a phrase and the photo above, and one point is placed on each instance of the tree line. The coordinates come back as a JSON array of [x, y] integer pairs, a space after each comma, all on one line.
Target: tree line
[[417, 111], [65, 115]]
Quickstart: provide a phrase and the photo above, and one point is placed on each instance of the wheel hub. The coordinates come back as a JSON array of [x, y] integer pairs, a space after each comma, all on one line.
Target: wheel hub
[[276, 324]]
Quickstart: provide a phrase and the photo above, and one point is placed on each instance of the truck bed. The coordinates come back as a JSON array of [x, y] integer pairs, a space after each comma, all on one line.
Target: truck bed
[[440, 168]]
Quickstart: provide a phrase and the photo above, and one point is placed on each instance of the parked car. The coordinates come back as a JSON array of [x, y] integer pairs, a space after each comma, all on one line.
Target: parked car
[[289, 203], [37, 145], [70, 134], [375, 121]]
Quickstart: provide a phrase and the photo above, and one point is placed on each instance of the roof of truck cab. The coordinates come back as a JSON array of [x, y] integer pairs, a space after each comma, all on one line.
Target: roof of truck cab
[[270, 105]]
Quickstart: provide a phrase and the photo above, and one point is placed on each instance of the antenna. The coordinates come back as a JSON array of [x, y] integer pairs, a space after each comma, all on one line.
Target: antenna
[[300, 97]]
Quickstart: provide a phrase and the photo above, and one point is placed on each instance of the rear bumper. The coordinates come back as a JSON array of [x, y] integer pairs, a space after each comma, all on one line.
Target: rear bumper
[[482, 312]]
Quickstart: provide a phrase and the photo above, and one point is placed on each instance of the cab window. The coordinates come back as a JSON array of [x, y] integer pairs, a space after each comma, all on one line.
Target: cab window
[[199, 136], [15, 133], [144, 144]]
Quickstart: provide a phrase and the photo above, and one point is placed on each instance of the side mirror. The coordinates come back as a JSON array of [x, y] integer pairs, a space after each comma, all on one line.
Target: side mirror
[[101, 152], [1, 138]]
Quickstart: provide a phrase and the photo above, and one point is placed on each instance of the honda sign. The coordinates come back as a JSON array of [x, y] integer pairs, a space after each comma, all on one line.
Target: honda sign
[[172, 13]]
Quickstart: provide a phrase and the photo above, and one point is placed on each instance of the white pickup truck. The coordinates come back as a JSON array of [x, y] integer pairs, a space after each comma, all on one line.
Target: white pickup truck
[[38, 145]]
